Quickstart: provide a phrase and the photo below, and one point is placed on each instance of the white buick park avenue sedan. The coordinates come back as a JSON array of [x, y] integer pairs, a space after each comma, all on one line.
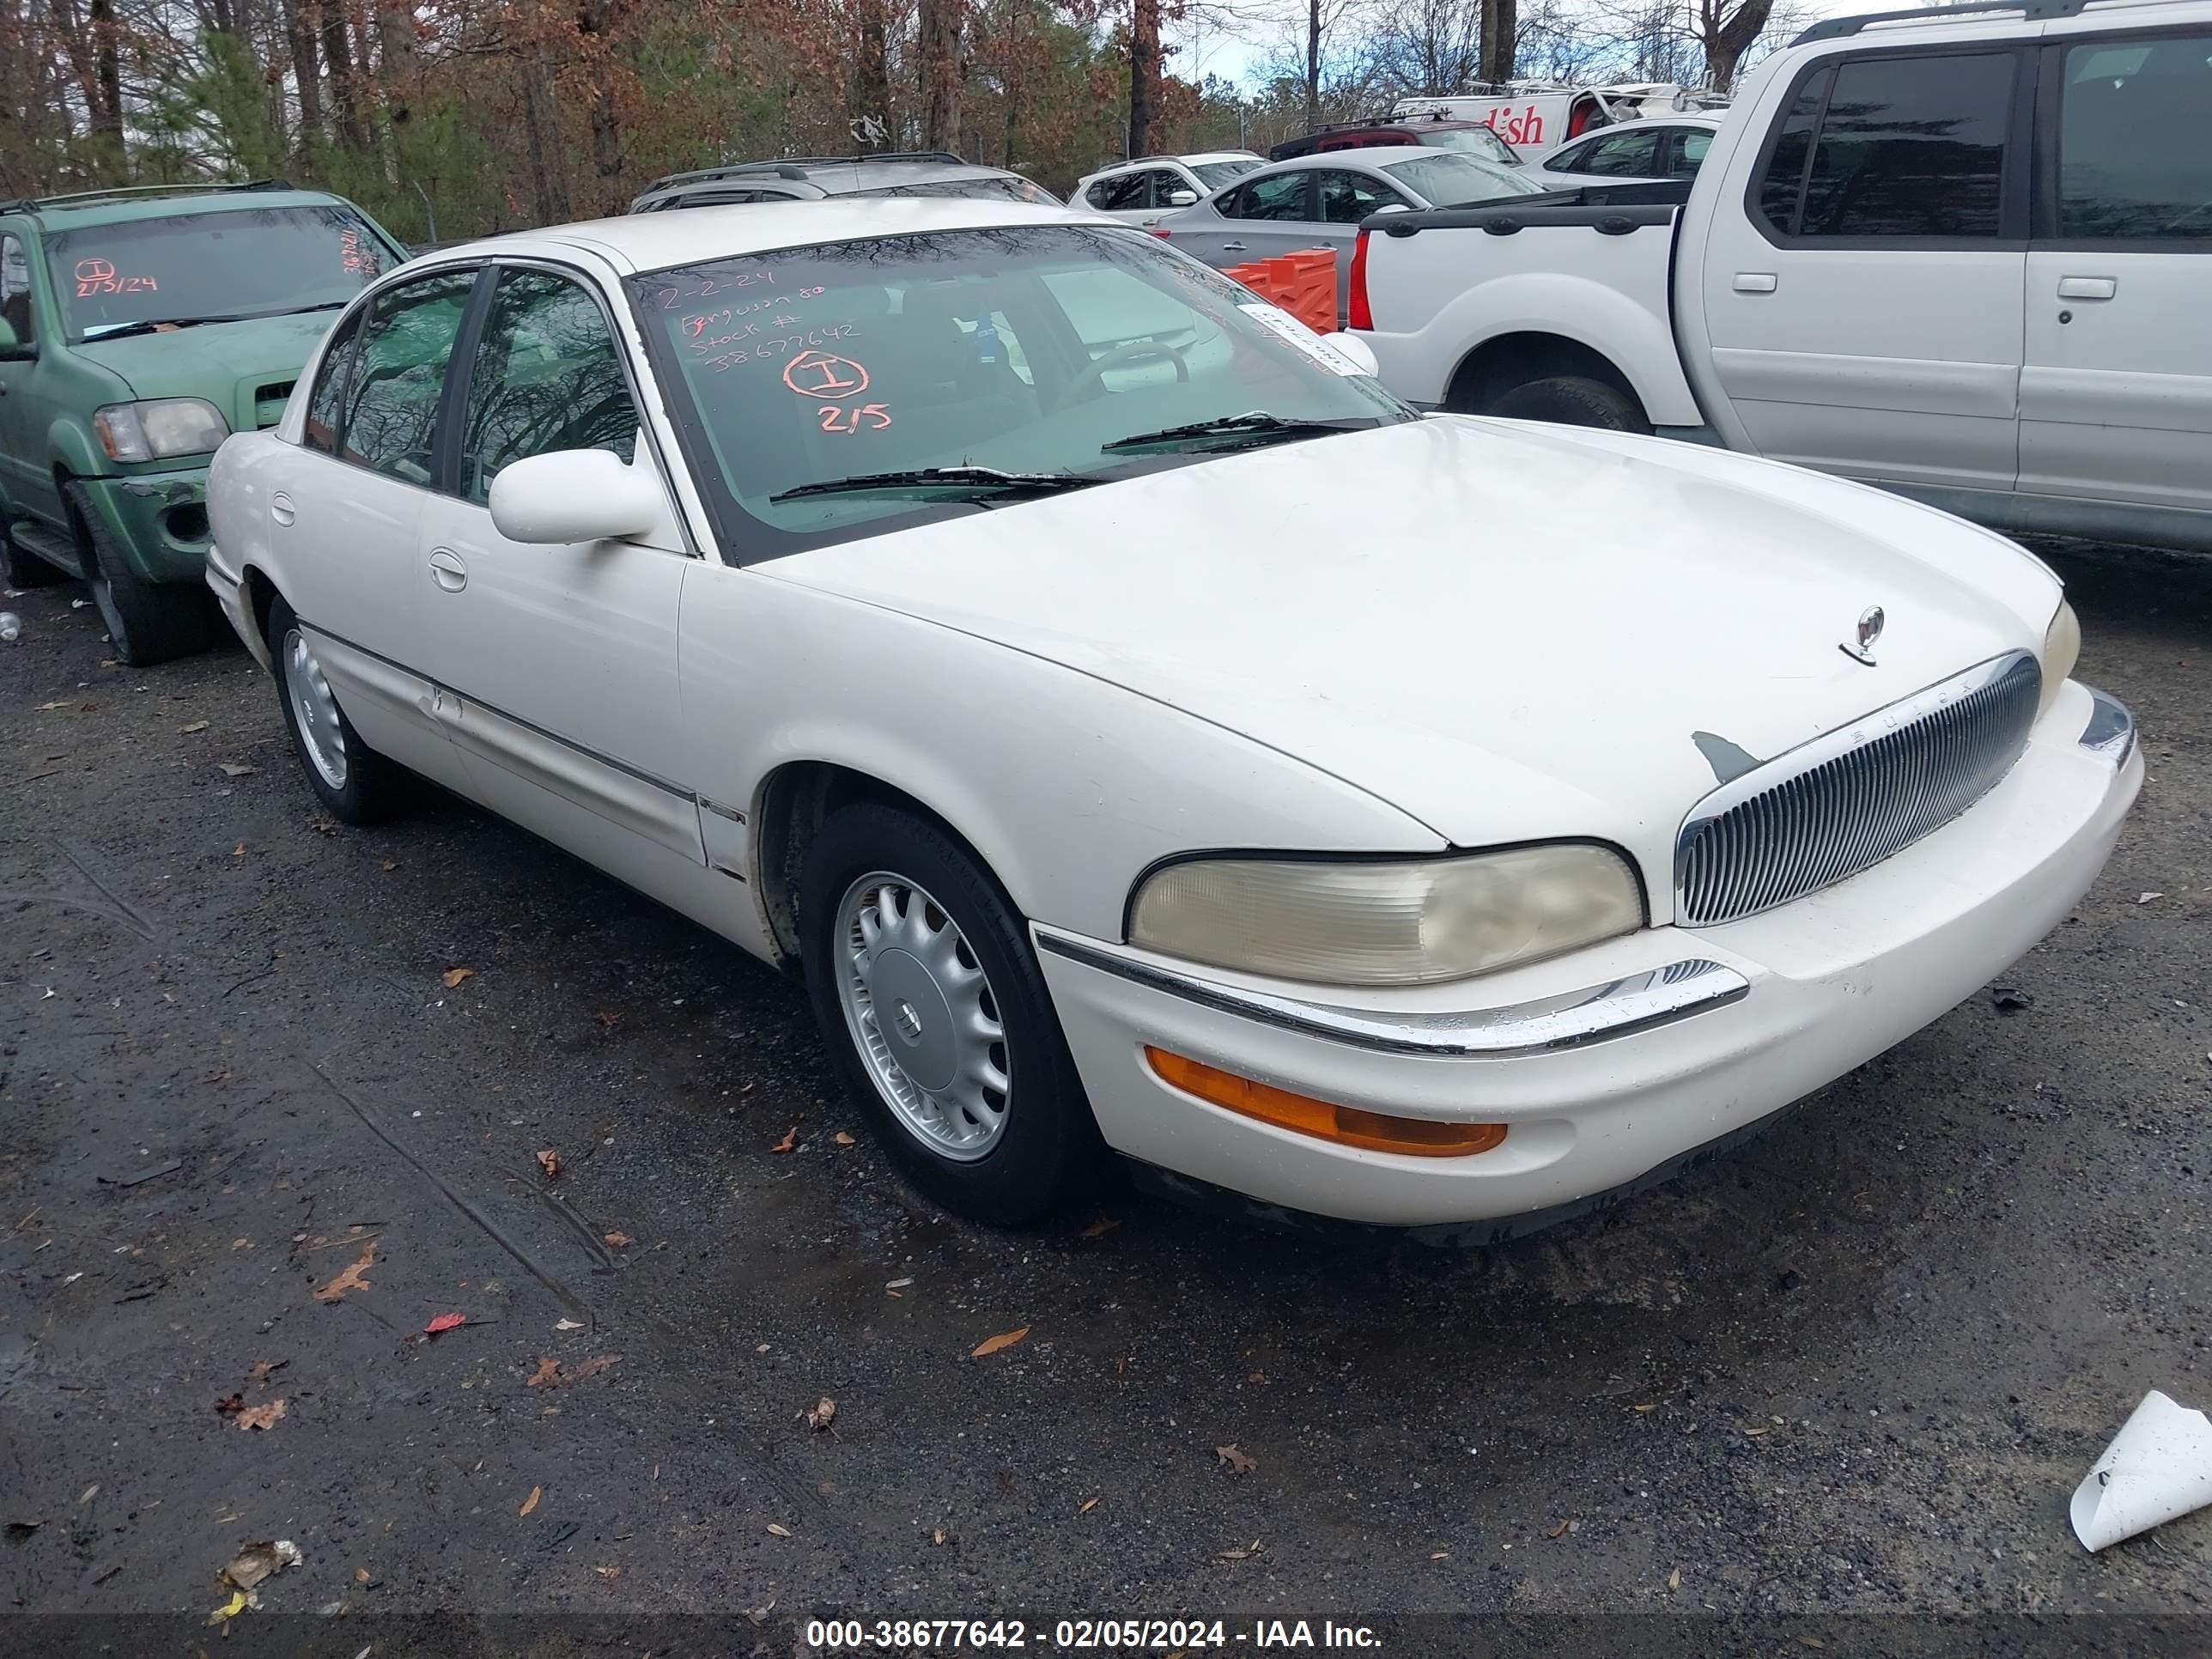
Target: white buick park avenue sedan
[[1142, 732]]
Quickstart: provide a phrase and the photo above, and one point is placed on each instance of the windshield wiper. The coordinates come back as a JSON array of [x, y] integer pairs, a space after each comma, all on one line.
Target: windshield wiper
[[124, 330], [976, 483], [1256, 427]]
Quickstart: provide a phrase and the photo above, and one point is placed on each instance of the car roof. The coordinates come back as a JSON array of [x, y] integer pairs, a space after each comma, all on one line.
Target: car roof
[[836, 178], [1364, 155], [103, 207], [651, 242]]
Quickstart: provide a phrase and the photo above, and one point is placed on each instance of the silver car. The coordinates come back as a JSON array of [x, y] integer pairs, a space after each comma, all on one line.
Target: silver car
[[1318, 201], [813, 177], [1646, 152]]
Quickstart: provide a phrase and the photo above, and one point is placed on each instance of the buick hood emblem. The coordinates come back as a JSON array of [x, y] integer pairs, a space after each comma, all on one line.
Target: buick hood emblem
[[1860, 647]]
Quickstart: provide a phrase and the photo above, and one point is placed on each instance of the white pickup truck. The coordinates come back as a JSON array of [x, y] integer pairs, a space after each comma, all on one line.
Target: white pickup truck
[[1965, 253]]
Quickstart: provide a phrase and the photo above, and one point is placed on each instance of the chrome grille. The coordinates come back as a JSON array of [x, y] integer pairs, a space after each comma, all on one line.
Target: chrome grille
[[1850, 797]]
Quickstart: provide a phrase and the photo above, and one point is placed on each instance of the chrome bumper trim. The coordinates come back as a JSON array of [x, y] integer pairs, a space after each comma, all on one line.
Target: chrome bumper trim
[[2112, 728], [1617, 1009]]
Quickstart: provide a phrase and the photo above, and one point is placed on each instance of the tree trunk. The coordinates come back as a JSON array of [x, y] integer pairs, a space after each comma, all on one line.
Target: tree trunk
[[345, 92], [1313, 64], [1501, 21], [1144, 74], [594, 19], [307, 71], [872, 80], [940, 73], [1727, 36], [549, 185], [107, 62]]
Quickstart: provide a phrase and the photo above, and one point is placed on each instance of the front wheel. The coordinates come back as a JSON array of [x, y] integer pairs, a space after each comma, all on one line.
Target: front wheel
[[355, 783], [147, 622], [1572, 400], [927, 992]]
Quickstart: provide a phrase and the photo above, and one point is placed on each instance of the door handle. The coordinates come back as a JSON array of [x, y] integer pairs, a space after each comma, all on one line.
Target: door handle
[[1233, 248], [446, 567], [2087, 288], [1754, 281], [280, 508]]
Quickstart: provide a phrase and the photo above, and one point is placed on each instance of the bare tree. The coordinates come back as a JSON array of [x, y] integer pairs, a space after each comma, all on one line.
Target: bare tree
[[939, 42], [1144, 73], [1429, 46], [1726, 29]]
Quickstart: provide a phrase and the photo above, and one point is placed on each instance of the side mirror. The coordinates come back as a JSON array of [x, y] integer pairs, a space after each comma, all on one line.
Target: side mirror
[[1351, 346], [572, 495], [1182, 198]]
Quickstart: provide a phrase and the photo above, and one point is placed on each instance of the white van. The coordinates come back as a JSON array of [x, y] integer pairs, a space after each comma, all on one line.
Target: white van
[[1537, 117]]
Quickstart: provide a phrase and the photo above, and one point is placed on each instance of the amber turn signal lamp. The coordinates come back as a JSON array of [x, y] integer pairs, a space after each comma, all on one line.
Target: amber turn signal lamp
[[1348, 1126]]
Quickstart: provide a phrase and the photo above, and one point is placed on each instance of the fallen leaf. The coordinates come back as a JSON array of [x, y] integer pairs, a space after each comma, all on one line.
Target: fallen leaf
[[1100, 1228], [2147, 897], [546, 1376], [232, 769], [391, 864], [608, 1572], [351, 1279], [230, 1404], [594, 1365], [260, 1417], [757, 1614], [897, 1283], [618, 1241], [1651, 1407], [1763, 1429], [790, 1139], [453, 976], [1439, 1555], [262, 1369], [1257, 1376], [993, 1344], [568, 1324], [843, 1139], [1810, 1642], [49, 707], [445, 1322], [88, 1494], [1559, 1531], [530, 1502], [196, 726], [1674, 1579], [549, 1161], [1089, 1505], [1244, 1554], [259, 1561], [239, 851], [360, 1574], [608, 1022], [822, 1414], [1239, 1462], [779, 1529]]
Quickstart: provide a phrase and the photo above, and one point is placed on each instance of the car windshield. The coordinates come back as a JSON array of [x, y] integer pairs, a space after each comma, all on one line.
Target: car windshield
[[1029, 350], [1453, 180], [993, 188], [240, 262], [1214, 174]]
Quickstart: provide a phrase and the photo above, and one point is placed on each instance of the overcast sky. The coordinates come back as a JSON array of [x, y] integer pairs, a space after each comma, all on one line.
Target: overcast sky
[[1212, 52]]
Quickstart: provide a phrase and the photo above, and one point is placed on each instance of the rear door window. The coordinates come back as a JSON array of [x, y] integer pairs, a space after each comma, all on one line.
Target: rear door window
[[389, 416], [2133, 159], [1628, 154], [1910, 148], [1122, 193], [1348, 198]]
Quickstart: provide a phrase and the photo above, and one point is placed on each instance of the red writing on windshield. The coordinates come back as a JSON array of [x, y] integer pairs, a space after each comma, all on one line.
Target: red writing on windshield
[[732, 349], [100, 276], [705, 288], [821, 375], [356, 257], [875, 417]]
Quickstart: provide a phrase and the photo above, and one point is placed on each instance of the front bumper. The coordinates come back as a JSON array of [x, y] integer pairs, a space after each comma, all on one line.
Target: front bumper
[[159, 520], [1612, 1062]]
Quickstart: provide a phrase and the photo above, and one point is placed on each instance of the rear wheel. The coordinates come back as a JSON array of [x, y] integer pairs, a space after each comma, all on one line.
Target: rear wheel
[[1572, 400], [147, 622], [927, 990], [354, 782]]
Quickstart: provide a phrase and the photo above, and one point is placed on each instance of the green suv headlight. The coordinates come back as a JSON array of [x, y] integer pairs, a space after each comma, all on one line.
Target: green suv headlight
[[162, 427]]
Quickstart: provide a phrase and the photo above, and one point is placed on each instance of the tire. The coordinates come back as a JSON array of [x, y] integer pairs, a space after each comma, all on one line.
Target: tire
[[1045, 1150], [1572, 400], [147, 623], [24, 569], [355, 784]]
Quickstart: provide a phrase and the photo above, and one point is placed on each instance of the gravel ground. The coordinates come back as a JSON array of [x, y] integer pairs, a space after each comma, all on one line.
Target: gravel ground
[[1853, 1369]]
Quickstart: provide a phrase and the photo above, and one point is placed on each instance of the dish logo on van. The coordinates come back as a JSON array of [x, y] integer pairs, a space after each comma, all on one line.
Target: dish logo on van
[[1517, 127]]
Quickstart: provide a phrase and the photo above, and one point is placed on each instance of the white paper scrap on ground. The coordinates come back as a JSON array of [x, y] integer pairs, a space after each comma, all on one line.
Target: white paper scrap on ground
[[2158, 1468]]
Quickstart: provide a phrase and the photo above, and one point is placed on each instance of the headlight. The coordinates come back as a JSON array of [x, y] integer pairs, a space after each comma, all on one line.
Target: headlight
[[167, 426], [2062, 649], [1387, 922]]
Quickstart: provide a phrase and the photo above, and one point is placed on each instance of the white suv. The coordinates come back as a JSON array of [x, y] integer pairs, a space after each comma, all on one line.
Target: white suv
[[1151, 187]]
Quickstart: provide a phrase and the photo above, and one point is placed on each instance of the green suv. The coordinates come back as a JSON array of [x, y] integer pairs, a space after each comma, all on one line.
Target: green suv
[[139, 329]]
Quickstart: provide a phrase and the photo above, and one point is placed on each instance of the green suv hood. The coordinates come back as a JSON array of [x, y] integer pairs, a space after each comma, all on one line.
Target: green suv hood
[[246, 370]]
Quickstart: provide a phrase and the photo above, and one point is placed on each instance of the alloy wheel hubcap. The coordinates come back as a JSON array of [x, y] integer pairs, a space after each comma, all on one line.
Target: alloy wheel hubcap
[[314, 710], [921, 1010]]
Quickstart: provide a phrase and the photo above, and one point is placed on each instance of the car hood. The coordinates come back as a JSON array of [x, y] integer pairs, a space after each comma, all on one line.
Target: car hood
[[245, 369], [1508, 631]]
